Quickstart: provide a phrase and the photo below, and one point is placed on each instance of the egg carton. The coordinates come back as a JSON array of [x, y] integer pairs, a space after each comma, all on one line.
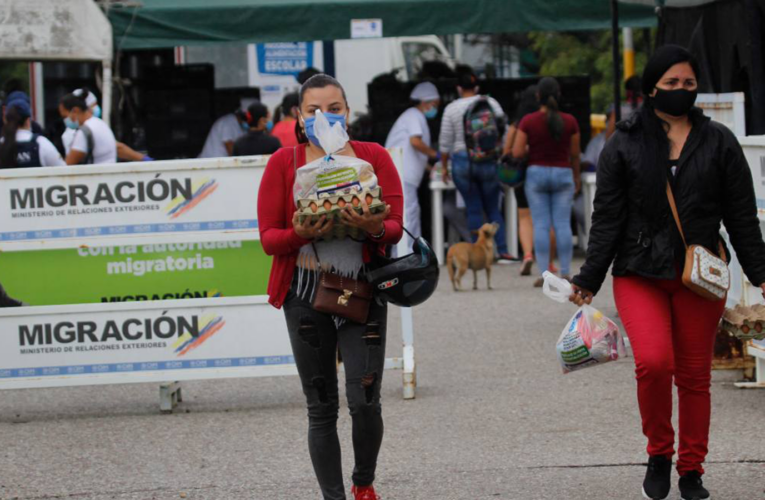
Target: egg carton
[[332, 206], [745, 323]]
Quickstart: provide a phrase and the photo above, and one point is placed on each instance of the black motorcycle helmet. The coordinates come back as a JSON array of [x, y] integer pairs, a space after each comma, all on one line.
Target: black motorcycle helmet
[[407, 281]]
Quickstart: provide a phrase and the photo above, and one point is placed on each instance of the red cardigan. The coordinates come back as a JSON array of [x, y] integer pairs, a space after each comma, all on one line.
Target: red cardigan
[[276, 207]]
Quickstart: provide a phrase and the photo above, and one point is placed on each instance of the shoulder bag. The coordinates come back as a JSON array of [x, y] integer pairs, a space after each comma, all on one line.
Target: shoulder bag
[[705, 274], [340, 296], [512, 171]]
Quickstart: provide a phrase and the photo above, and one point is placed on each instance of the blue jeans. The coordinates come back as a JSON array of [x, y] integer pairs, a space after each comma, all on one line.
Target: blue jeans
[[479, 186], [550, 191]]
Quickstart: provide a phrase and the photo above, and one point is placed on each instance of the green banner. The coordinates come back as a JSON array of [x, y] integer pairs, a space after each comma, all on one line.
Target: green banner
[[136, 272]]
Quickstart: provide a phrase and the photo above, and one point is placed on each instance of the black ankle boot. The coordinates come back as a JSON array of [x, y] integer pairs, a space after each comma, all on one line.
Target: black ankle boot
[[692, 487], [657, 481]]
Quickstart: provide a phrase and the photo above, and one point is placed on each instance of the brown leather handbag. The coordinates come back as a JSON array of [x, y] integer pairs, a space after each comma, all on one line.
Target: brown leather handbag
[[344, 297], [705, 274]]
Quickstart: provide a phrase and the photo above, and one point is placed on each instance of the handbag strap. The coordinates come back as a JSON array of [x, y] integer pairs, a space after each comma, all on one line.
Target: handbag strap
[[316, 254], [673, 206]]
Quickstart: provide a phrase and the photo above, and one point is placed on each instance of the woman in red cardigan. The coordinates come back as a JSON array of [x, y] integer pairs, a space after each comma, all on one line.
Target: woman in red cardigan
[[315, 336]]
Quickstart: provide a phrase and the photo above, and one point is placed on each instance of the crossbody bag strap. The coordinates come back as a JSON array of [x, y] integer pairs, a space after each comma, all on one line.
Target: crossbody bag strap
[[673, 206], [316, 254]]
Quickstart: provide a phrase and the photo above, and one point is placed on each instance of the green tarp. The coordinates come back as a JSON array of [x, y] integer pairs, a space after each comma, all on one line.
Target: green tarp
[[169, 23]]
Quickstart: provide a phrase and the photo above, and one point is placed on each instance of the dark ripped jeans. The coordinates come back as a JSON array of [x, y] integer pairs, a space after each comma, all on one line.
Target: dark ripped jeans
[[315, 342]]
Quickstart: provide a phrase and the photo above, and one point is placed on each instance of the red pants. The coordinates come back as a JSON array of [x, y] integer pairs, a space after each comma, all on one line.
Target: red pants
[[672, 332]]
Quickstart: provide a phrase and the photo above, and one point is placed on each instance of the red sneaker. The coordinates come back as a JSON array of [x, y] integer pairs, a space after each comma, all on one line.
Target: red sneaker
[[364, 493]]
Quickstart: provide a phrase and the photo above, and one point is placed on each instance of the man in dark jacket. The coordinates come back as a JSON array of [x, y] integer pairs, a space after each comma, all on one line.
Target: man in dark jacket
[[6, 301]]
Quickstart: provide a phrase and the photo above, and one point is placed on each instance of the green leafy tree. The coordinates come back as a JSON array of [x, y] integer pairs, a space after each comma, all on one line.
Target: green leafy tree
[[586, 53], [12, 69]]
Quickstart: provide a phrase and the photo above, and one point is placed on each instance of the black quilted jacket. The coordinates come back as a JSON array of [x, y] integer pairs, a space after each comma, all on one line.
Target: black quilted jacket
[[713, 184]]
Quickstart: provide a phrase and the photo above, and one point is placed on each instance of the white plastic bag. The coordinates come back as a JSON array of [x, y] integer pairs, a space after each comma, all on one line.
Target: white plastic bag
[[332, 174], [589, 338]]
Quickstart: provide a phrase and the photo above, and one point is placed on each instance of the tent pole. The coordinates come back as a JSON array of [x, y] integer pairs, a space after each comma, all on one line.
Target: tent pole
[[615, 50], [106, 92]]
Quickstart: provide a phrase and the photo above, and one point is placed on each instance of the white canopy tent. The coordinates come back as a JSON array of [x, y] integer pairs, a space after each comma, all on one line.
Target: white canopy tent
[[58, 30]]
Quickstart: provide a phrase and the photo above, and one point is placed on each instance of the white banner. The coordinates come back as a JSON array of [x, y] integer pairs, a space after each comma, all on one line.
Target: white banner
[[150, 342], [193, 199]]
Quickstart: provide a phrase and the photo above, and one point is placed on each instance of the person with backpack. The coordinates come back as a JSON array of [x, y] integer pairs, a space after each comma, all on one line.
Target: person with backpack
[[20, 147], [550, 139], [124, 152], [94, 141], [471, 135]]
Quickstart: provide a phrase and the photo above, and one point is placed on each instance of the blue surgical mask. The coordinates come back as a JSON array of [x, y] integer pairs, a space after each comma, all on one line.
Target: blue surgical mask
[[269, 125], [71, 123], [245, 126], [431, 113], [97, 111], [331, 118]]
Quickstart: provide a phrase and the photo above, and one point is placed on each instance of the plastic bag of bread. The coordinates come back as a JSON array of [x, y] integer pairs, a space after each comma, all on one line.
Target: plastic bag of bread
[[589, 338]]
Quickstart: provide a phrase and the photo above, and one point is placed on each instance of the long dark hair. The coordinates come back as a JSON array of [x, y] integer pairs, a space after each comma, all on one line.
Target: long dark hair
[[319, 81], [528, 104], [549, 95], [655, 146], [9, 149]]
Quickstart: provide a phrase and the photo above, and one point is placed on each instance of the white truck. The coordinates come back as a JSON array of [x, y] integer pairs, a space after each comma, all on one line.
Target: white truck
[[273, 67]]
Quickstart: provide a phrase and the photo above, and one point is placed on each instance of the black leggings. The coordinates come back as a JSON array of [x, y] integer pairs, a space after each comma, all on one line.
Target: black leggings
[[315, 341]]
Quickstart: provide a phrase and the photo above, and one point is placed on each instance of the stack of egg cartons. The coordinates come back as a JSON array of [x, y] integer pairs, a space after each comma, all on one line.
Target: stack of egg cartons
[[332, 205]]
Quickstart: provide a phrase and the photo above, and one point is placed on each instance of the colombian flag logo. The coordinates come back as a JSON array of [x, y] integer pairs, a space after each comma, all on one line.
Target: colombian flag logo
[[210, 325], [201, 189]]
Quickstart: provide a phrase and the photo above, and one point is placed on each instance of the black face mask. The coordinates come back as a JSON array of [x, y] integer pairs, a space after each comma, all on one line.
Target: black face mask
[[674, 102]]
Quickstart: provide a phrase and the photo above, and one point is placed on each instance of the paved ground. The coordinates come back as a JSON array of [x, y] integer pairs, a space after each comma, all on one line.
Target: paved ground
[[493, 418]]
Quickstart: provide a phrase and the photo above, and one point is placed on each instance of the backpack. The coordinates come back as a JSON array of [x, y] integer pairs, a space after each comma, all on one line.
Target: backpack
[[483, 137], [91, 145], [28, 153]]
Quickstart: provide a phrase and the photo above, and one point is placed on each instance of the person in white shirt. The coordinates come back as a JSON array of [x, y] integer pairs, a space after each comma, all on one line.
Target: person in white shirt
[[124, 152], [477, 183], [412, 134], [93, 141], [19, 146], [224, 132]]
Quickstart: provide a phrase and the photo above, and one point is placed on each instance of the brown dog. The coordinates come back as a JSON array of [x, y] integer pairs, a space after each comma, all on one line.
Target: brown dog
[[474, 256]]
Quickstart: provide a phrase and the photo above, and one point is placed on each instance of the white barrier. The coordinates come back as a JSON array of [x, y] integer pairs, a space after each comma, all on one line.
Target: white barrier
[[727, 109], [742, 291], [437, 188], [112, 210]]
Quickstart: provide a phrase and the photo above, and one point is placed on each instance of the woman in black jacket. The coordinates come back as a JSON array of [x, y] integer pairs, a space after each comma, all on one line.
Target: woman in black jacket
[[671, 329]]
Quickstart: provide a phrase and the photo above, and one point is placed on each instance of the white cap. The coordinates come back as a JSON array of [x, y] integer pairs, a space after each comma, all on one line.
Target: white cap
[[425, 91], [90, 98]]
